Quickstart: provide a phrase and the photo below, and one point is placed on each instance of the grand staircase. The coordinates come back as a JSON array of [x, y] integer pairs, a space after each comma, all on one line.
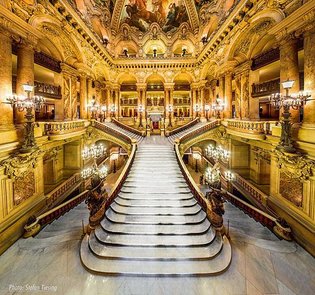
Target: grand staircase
[[155, 227], [183, 132], [137, 137]]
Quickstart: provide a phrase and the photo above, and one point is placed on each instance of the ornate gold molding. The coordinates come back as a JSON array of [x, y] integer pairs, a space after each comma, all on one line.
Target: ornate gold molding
[[295, 166], [18, 165]]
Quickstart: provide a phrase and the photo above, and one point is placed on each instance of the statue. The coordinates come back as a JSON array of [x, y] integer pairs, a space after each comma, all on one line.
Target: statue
[[216, 209]]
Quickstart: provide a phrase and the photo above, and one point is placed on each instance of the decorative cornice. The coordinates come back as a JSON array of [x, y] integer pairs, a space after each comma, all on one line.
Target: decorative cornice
[[19, 164], [296, 165]]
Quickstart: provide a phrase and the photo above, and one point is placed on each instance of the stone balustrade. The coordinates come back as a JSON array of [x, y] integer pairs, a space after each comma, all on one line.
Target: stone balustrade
[[62, 127], [254, 127], [64, 187], [253, 191]]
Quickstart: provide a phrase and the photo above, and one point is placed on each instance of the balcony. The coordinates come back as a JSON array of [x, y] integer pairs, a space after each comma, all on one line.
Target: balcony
[[266, 88], [251, 129]]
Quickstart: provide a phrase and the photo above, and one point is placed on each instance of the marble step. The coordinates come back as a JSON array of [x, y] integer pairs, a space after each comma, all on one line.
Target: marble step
[[155, 229], [164, 203], [156, 268], [155, 187], [148, 190], [157, 182], [139, 240], [156, 196], [155, 211], [155, 219], [155, 253]]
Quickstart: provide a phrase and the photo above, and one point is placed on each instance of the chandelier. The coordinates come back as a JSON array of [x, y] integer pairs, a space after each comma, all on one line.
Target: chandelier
[[286, 102], [218, 153], [27, 103], [94, 152], [218, 107]]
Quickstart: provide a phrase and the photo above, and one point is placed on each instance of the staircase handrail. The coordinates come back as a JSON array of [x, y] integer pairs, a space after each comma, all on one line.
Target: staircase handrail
[[184, 127], [122, 177], [199, 130], [112, 131], [128, 128]]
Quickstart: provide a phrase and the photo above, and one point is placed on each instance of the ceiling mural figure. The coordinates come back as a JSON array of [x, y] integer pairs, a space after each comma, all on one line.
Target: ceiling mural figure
[[169, 14]]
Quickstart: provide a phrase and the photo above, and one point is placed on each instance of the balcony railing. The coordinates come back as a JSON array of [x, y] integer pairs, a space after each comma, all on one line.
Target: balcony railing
[[67, 186], [182, 128], [254, 127], [128, 128], [266, 88], [62, 127], [200, 130], [48, 90]]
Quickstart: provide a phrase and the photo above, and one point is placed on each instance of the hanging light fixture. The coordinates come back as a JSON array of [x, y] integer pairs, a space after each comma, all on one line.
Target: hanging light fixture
[[218, 153]]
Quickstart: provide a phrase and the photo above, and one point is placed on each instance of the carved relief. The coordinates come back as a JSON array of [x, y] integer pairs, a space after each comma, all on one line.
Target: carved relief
[[19, 164], [23, 187], [245, 95], [238, 97], [297, 165], [291, 188]]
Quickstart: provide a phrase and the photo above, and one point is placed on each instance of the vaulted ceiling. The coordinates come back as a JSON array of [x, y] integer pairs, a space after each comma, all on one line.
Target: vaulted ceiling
[[126, 20]]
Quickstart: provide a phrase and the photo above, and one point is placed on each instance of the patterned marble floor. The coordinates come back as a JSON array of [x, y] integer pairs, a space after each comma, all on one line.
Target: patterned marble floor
[[261, 264]]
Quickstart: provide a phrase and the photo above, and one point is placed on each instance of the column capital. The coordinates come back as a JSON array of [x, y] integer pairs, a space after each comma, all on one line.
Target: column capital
[[243, 67], [141, 86], [169, 86], [68, 70]]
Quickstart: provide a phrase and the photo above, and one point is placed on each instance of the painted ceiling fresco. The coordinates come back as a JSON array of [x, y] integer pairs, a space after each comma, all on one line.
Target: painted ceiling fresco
[[107, 16], [169, 14]]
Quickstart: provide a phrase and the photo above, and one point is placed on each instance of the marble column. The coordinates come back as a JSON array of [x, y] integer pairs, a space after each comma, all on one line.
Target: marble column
[[221, 87], [25, 73], [228, 96], [245, 95], [83, 97], [6, 110], [194, 100], [108, 100], [307, 131], [238, 96], [202, 101], [289, 69]]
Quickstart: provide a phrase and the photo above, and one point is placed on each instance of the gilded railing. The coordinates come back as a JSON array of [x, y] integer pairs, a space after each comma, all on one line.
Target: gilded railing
[[202, 200], [254, 127], [128, 128], [266, 88], [112, 132], [62, 127], [199, 130], [182, 128]]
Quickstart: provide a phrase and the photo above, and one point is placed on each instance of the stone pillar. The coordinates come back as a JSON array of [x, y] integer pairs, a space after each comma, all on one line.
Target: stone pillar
[[238, 96], [108, 100], [6, 110], [194, 90], [83, 97], [289, 69], [245, 95], [213, 85], [169, 87], [69, 92], [221, 87], [25, 73], [307, 131], [228, 95]]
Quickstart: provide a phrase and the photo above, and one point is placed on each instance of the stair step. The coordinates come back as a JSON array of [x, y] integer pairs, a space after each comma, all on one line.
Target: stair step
[[148, 190], [155, 219], [164, 203], [157, 196], [156, 268], [150, 229], [155, 253], [155, 240], [155, 211]]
